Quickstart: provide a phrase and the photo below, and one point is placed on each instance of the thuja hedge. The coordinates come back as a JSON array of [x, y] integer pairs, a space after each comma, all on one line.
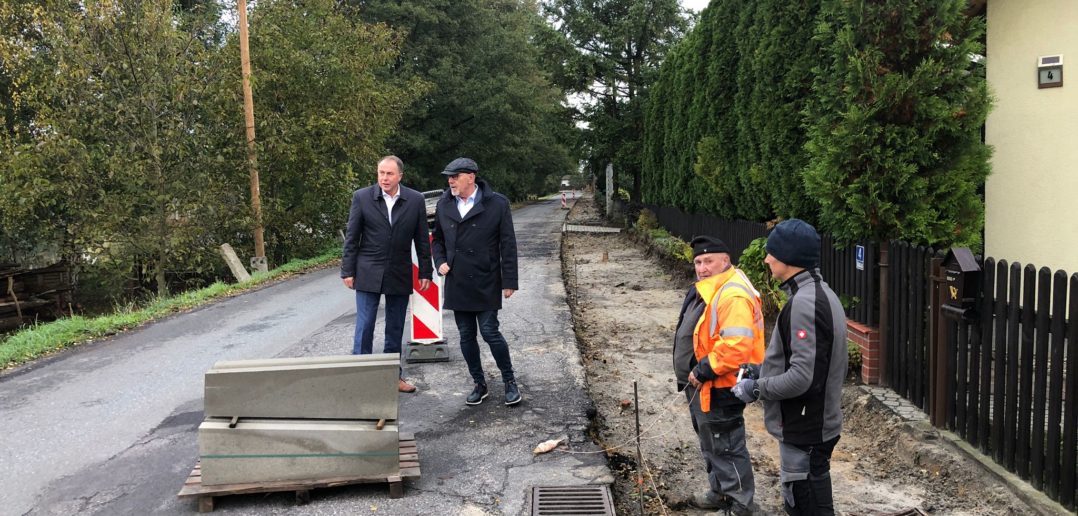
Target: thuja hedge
[[863, 117]]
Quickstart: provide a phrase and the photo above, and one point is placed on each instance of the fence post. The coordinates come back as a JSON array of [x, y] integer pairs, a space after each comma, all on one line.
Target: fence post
[[609, 190], [937, 349], [885, 319]]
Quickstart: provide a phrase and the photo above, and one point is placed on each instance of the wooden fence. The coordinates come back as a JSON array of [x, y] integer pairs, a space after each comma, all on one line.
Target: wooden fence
[[852, 271], [908, 333], [1003, 377], [737, 234], [29, 295], [1013, 375]]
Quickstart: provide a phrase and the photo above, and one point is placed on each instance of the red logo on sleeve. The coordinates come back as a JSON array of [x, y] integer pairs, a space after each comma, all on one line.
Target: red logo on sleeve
[[802, 334]]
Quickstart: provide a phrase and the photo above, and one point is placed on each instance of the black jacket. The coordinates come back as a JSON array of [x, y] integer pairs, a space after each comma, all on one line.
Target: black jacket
[[379, 256], [481, 250]]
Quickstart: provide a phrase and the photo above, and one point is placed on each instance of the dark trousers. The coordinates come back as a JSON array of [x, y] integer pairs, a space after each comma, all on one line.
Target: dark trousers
[[806, 478], [722, 442], [367, 312], [485, 324]]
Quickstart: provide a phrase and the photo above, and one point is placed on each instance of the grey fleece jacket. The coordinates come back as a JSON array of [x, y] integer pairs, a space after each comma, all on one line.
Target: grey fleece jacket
[[805, 364]]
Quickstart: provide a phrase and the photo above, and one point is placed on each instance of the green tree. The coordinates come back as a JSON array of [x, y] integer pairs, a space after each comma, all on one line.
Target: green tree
[[488, 98], [324, 106], [894, 145], [619, 45], [690, 136], [115, 160]]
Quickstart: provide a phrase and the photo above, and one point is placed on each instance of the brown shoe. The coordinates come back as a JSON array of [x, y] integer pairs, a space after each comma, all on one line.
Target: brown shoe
[[404, 386]]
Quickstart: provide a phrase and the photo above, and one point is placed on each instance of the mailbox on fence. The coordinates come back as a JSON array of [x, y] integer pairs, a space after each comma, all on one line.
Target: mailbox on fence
[[962, 276]]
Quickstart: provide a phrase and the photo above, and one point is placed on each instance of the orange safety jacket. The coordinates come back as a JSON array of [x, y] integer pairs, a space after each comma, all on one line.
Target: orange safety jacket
[[731, 330]]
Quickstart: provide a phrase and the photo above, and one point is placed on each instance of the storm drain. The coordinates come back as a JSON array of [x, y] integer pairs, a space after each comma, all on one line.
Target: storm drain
[[575, 500], [579, 228]]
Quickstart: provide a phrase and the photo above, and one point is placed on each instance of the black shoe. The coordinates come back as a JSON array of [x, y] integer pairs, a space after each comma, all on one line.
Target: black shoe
[[479, 393], [709, 501], [512, 393], [736, 509]]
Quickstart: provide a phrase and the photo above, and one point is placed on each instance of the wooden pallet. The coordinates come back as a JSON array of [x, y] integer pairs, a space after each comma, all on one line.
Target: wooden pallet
[[409, 468]]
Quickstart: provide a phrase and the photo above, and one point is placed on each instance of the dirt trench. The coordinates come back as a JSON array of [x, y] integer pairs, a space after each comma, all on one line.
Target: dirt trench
[[625, 303]]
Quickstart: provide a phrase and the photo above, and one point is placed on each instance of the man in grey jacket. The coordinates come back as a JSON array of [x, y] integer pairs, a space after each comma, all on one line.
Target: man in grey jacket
[[803, 370]]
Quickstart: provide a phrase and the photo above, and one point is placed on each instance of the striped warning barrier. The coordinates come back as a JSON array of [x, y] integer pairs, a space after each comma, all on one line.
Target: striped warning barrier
[[428, 342], [426, 307]]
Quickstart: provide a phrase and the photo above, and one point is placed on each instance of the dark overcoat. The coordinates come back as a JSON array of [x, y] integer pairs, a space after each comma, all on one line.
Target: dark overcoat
[[481, 250], [379, 255]]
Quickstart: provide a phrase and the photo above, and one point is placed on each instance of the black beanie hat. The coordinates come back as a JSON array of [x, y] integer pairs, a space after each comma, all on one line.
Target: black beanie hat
[[707, 244], [795, 242]]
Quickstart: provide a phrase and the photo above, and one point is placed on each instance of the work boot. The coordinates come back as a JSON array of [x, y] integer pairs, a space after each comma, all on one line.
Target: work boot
[[709, 501], [736, 509], [403, 386], [479, 393], [512, 393]]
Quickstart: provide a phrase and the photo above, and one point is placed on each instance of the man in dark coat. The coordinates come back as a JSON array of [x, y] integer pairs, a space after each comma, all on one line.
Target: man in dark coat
[[475, 248], [384, 222]]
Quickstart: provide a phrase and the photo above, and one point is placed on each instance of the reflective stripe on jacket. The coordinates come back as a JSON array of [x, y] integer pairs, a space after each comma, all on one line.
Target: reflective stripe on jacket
[[731, 330]]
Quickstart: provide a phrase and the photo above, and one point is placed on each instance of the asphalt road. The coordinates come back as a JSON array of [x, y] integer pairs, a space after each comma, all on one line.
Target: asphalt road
[[111, 427]]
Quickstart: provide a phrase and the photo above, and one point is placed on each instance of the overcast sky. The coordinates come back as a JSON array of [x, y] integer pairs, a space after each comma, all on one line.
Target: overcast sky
[[695, 5]]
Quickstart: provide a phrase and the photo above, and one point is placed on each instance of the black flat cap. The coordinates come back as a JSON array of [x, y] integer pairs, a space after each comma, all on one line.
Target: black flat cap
[[704, 244], [460, 165]]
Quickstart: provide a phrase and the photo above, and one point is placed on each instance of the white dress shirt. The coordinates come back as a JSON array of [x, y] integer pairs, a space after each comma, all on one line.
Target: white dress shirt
[[390, 201], [465, 205]]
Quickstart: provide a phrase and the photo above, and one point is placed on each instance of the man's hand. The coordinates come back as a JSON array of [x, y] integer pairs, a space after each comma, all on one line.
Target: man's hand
[[348, 282], [443, 269], [693, 380], [508, 292], [424, 284], [750, 371], [746, 390]]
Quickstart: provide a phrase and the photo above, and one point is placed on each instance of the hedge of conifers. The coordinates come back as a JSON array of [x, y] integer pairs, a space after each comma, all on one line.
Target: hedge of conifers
[[862, 117]]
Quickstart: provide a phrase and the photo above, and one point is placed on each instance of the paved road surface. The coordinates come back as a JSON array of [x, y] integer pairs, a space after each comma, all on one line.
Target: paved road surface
[[111, 428]]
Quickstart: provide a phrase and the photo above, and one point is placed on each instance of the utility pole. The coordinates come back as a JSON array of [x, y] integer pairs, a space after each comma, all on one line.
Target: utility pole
[[258, 261]]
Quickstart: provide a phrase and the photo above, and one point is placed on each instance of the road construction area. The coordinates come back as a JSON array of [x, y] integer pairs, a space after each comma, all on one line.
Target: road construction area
[[111, 427], [625, 303]]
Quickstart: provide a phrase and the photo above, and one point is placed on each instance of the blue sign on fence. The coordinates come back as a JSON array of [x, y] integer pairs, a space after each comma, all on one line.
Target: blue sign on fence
[[860, 255]]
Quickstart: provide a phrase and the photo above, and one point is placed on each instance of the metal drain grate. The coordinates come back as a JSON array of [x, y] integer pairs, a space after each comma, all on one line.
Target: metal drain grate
[[571, 500]]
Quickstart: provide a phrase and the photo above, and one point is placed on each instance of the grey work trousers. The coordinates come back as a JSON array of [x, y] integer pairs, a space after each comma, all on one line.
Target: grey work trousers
[[722, 441], [806, 478]]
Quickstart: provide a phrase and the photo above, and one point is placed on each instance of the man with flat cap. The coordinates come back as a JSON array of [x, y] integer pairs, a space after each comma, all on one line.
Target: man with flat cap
[[720, 328], [801, 376], [475, 248]]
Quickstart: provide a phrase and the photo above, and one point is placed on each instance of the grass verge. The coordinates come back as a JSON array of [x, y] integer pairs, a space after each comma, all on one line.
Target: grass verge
[[41, 339]]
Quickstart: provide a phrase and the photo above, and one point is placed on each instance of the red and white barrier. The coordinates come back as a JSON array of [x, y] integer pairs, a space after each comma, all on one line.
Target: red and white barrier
[[426, 307]]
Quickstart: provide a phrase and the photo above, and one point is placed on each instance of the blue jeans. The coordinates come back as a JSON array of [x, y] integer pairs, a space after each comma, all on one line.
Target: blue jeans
[[367, 312], [486, 323]]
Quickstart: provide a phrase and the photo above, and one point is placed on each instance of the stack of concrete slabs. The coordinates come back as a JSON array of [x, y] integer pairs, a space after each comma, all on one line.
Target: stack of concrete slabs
[[266, 450], [300, 419], [333, 387]]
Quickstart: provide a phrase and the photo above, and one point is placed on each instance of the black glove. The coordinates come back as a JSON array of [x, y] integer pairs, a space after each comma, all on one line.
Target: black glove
[[750, 371]]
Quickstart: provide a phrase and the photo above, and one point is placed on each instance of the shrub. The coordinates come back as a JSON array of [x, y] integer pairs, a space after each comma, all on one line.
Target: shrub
[[752, 262], [854, 352], [670, 245], [647, 220]]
